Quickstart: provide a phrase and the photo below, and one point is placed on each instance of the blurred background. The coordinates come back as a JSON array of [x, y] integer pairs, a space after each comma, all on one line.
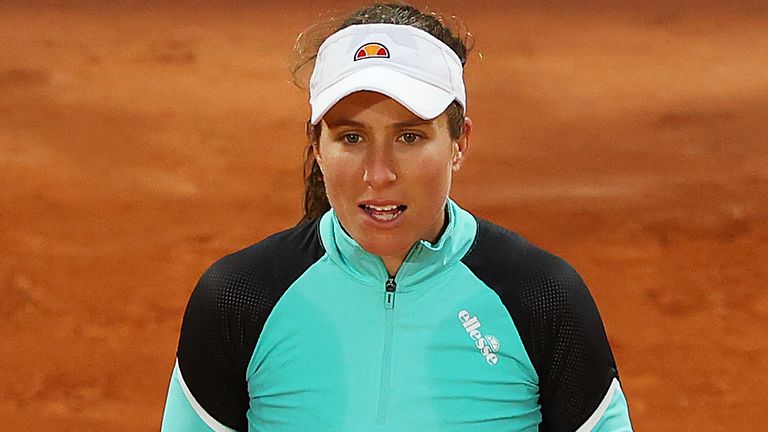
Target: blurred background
[[140, 141]]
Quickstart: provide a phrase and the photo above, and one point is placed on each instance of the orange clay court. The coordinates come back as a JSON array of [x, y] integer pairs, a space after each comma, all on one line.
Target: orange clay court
[[140, 142]]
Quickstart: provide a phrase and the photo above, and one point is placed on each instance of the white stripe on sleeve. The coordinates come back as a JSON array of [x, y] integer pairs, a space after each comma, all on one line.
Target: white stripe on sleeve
[[594, 419], [204, 416]]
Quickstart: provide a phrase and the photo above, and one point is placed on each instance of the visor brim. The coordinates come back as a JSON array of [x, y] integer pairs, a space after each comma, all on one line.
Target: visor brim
[[423, 99]]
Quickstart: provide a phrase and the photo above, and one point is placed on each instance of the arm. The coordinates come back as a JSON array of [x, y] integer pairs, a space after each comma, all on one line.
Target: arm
[[208, 391], [222, 324], [578, 379], [559, 324], [183, 413], [612, 414]]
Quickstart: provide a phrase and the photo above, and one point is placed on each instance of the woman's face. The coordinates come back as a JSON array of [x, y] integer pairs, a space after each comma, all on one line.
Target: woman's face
[[387, 172]]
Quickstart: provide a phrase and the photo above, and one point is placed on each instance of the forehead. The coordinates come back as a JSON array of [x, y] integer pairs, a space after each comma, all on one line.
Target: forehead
[[371, 107]]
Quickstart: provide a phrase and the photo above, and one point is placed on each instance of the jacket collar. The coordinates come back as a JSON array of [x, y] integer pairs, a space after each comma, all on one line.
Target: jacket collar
[[424, 261]]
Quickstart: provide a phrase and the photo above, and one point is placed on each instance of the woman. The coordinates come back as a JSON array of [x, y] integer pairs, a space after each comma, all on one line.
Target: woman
[[389, 307]]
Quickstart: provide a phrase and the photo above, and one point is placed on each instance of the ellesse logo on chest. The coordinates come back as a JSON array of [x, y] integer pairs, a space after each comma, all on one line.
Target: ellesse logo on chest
[[487, 345]]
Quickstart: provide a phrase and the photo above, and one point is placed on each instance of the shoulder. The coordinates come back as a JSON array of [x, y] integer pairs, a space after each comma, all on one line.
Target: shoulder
[[254, 278], [506, 261], [542, 292], [292, 249], [248, 283], [539, 289]]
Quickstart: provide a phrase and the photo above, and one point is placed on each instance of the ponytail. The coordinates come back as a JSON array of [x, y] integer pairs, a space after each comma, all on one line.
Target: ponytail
[[315, 200]]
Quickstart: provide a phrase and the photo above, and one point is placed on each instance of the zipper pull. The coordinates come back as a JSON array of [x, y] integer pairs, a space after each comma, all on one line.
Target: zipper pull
[[389, 295]]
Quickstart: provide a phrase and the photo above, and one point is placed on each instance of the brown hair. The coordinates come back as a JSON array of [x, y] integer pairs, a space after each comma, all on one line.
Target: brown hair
[[451, 31]]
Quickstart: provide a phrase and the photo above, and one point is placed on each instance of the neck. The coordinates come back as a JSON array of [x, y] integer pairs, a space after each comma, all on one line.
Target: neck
[[392, 264]]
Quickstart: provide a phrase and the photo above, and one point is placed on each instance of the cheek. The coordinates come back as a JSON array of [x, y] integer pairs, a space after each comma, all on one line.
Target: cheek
[[338, 174], [339, 167], [433, 169]]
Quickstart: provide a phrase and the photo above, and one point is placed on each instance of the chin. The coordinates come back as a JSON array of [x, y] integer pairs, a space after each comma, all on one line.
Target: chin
[[384, 245]]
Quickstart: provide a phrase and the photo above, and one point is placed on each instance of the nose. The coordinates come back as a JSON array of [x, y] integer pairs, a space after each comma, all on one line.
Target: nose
[[379, 170]]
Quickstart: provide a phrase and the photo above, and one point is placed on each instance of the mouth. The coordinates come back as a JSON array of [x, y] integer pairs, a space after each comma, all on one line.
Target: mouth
[[384, 213]]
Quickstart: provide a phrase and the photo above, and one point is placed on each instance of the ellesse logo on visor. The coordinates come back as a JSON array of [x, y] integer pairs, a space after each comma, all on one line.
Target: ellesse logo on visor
[[371, 50]]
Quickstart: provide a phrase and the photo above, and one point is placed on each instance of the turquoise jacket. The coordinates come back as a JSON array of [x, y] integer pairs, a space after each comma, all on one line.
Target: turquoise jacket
[[306, 331]]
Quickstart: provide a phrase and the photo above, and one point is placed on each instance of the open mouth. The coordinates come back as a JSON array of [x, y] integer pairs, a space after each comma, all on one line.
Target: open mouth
[[384, 213]]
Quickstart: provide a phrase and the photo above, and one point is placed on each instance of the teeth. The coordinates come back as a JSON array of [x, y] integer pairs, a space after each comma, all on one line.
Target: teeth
[[385, 216], [382, 208], [384, 213]]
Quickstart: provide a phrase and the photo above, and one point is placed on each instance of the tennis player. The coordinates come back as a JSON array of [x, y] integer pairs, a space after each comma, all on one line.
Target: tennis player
[[390, 307]]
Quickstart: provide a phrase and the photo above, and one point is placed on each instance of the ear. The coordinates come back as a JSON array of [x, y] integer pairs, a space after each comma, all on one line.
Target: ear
[[461, 146]]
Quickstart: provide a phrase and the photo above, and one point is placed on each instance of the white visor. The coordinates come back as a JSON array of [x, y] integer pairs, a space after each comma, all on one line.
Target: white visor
[[407, 64]]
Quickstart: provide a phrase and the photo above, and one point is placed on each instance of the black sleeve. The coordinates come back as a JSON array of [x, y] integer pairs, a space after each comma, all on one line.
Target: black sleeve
[[226, 313], [557, 320]]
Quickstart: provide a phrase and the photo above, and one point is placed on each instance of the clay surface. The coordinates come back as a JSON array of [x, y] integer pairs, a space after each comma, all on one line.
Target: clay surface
[[139, 142]]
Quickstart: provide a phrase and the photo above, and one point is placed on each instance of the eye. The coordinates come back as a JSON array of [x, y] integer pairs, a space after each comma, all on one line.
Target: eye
[[409, 137], [351, 138]]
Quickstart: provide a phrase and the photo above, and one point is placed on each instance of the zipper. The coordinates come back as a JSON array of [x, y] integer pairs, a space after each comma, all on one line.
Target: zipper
[[386, 364], [389, 293]]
